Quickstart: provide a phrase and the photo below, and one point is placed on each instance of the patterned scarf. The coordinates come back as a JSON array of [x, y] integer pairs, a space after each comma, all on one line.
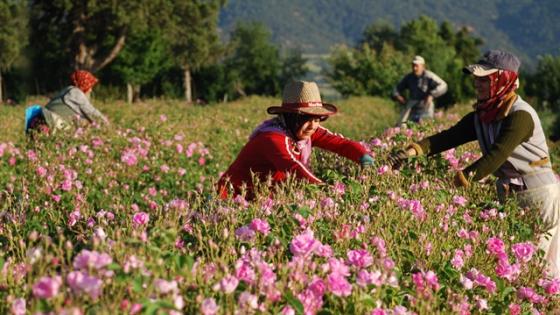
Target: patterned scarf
[[502, 94], [83, 80]]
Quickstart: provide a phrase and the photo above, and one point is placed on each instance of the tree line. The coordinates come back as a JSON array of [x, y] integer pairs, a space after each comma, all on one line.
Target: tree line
[[165, 47], [175, 49]]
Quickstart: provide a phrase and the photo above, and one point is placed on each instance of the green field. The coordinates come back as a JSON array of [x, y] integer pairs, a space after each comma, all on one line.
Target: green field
[[124, 219]]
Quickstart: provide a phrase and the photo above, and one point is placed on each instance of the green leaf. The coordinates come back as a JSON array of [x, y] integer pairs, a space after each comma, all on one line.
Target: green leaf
[[114, 266], [294, 302], [137, 284]]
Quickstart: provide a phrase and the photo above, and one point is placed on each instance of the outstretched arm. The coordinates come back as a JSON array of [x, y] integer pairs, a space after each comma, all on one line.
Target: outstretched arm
[[77, 99], [463, 132], [329, 141]]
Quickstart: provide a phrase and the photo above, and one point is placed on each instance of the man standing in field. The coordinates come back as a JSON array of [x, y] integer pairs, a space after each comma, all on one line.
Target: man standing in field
[[423, 86]]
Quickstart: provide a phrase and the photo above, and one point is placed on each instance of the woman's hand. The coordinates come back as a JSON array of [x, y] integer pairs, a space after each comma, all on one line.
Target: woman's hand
[[366, 161]]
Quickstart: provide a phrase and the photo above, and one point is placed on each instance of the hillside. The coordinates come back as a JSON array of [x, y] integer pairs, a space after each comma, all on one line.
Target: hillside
[[528, 26]]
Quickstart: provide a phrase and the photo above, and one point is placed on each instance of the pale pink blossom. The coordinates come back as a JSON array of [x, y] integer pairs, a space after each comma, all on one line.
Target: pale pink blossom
[[164, 286], [228, 284], [248, 301], [47, 287], [338, 285], [459, 200], [91, 259], [245, 233], [129, 157], [18, 307], [81, 282], [260, 226], [209, 307]]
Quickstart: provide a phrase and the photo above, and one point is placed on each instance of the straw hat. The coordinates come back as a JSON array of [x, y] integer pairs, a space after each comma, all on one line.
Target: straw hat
[[303, 97]]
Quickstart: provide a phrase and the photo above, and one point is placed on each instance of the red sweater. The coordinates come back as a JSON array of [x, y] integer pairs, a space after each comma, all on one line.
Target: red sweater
[[275, 154]]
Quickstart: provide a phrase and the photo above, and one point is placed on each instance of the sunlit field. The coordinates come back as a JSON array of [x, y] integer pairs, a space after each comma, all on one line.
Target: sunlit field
[[124, 219]]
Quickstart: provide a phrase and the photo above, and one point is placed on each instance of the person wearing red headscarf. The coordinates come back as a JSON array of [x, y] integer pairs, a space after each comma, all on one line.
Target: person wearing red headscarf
[[512, 142], [70, 107]]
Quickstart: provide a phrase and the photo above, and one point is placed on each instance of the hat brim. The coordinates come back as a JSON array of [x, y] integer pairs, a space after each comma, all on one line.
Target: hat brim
[[325, 110], [479, 70]]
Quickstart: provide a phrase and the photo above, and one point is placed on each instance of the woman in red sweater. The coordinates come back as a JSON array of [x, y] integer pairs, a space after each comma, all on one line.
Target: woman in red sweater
[[282, 145]]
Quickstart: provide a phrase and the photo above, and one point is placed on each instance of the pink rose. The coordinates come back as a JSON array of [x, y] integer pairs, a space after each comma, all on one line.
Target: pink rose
[[551, 287], [80, 281], [360, 258], [260, 226], [228, 284], [140, 218], [523, 251], [91, 259], [18, 307], [304, 244], [129, 157], [338, 285], [245, 233], [496, 246], [47, 287], [209, 307]]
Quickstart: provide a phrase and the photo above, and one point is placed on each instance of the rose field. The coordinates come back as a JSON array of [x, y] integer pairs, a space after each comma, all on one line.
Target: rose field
[[125, 220]]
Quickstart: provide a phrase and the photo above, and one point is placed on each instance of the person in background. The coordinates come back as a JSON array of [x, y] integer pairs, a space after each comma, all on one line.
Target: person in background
[[423, 86], [282, 145], [70, 107], [513, 144]]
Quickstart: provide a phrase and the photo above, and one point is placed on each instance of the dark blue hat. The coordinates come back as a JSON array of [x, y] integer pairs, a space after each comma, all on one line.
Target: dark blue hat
[[492, 61]]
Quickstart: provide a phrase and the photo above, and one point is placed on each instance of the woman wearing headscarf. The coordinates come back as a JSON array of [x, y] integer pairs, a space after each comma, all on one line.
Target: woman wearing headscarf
[[512, 142], [71, 106], [282, 145]]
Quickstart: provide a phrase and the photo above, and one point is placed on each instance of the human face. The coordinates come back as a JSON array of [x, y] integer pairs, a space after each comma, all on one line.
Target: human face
[[308, 128], [418, 69], [482, 88]]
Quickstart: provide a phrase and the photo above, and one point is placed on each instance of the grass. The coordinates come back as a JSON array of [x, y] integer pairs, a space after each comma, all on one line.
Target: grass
[[128, 219]]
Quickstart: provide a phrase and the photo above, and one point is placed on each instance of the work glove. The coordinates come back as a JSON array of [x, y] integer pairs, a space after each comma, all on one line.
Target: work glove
[[397, 159], [366, 161], [460, 180]]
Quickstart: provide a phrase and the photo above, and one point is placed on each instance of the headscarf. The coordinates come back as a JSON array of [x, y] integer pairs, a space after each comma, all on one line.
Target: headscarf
[[83, 80], [503, 84]]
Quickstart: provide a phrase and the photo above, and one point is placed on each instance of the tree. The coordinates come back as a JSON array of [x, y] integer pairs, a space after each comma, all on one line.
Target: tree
[[13, 34], [194, 37], [255, 63], [85, 34], [145, 55], [293, 66], [383, 57]]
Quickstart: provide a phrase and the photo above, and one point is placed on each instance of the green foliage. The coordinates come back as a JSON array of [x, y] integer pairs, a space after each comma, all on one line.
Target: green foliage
[[255, 61], [145, 55], [193, 32], [544, 85], [384, 55], [83, 34], [13, 31], [254, 65], [13, 36]]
